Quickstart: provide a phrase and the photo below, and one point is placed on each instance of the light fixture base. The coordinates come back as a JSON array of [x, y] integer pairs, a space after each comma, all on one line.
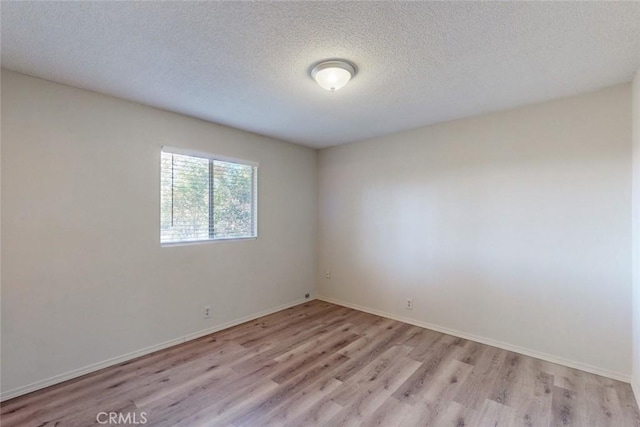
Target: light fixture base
[[333, 74]]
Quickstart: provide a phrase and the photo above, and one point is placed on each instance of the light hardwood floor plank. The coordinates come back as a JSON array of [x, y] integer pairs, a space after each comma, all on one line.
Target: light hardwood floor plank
[[322, 364]]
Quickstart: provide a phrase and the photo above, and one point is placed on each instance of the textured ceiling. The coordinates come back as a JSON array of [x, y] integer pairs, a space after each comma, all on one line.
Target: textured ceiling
[[246, 64]]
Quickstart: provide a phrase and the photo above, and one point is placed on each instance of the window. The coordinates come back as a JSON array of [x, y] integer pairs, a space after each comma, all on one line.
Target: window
[[204, 197]]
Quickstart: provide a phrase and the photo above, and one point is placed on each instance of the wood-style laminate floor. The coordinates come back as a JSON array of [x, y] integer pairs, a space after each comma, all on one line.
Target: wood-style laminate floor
[[322, 364]]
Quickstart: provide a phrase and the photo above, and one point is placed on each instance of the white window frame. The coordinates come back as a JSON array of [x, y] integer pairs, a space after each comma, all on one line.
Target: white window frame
[[213, 157]]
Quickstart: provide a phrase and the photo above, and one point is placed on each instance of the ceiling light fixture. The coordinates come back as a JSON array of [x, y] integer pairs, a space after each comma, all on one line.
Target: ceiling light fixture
[[333, 75]]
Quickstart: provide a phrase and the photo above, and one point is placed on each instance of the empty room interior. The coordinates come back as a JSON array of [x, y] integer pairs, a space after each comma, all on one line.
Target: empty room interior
[[320, 213]]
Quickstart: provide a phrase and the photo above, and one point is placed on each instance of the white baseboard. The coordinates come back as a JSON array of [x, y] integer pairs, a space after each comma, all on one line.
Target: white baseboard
[[141, 352], [10, 394], [488, 341], [635, 388]]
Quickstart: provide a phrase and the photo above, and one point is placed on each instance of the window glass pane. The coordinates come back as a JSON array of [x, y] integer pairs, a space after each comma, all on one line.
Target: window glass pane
[[184, 198], [202, 198], [232, 200]]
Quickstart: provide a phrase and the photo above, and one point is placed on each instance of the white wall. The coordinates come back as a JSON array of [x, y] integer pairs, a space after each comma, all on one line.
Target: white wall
[[84, 278], [512, 227], [636, 237]]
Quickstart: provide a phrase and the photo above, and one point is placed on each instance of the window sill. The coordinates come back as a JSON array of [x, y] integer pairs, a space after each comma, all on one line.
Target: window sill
[[200, 242]]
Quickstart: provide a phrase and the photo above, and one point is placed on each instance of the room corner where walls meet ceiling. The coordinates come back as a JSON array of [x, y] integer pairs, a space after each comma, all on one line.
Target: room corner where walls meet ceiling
[[246, 64]]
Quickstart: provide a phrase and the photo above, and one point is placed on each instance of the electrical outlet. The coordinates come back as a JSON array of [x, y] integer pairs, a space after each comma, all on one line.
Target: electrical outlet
[[206, 311], [306, 295], [327, 274], [409, 304]]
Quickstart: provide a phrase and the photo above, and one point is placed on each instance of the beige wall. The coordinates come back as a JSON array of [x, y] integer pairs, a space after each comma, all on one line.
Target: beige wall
[[636, 237], [84, 278], [512, 228]]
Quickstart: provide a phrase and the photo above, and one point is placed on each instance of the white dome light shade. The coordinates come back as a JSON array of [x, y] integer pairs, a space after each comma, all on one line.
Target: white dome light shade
[[333, 75]]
